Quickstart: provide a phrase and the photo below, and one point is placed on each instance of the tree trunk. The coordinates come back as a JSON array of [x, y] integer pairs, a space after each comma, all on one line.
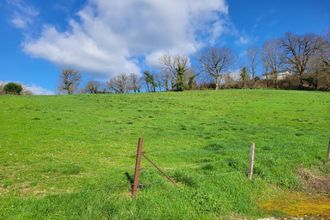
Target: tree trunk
[[276, 82], [148, 87], [166, 85], [217, 82], [301, 79]]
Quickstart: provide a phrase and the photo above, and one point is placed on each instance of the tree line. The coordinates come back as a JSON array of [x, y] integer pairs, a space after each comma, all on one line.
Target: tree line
[[174, 75], [290, 62]]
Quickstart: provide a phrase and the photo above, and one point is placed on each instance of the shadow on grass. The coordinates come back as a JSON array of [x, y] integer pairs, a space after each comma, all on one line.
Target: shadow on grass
[[129, 178]]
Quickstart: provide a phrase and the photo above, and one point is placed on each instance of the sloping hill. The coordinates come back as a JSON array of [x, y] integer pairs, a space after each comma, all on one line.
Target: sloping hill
[[69, 156]]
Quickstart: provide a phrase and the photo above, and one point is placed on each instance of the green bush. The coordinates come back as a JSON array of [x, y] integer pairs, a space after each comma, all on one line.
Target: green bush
[[13, 88]]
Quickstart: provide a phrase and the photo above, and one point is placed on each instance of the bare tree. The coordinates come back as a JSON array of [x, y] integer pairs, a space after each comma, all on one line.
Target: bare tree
[[134, 82], [299, 50], [172, 62], [190, 79], [92, 86], [324, 50], [69, 80], [216, 62], [175, 66], [119, 84], [104, 87], [159, 81], [318, 68], [253, 60], [272, 56], [166, 78]]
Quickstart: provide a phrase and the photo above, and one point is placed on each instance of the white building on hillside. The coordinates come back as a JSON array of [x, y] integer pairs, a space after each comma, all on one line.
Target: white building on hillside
[[280, 75]]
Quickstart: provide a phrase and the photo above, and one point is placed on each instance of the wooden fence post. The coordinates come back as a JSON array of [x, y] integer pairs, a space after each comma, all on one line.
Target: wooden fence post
[[135, 185], [251, 161]]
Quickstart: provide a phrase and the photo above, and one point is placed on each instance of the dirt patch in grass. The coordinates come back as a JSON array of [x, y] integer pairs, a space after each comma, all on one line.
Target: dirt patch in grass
[[25, 188], [314, 183], [3, 190], [312, 203], [299, 205]]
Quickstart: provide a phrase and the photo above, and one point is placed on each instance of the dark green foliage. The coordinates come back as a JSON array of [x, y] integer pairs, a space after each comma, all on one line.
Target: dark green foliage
[[192, 82], [150, 81], [208, 166], [179, 84], [185, 178], [13, 88], [216, 148], [244, 74]]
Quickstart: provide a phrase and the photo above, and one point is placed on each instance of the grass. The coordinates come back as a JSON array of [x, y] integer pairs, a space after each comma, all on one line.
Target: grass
[[66, 157]]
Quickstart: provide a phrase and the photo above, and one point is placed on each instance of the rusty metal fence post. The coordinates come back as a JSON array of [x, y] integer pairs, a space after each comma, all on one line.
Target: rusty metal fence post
[[135, 185]]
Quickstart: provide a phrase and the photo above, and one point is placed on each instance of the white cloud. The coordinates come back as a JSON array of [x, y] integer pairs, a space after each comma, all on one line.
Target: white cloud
[[19, 22], [23, 14], [243, 39], [37, 90], [111, 36]]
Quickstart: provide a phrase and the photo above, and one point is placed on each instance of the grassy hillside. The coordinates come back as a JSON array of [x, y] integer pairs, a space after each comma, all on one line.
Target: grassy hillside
[[67, 156]]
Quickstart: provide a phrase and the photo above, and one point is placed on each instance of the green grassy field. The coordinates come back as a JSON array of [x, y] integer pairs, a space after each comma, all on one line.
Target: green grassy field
[[66, 157]]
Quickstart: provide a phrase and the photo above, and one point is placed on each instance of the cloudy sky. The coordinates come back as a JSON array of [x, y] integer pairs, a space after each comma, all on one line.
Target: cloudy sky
[[102, 38]]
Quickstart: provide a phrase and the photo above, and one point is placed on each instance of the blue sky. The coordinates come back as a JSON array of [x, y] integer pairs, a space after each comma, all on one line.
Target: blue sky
[[102, 38]]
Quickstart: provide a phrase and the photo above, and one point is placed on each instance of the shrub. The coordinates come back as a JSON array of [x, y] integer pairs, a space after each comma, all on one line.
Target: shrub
[[13, 88]]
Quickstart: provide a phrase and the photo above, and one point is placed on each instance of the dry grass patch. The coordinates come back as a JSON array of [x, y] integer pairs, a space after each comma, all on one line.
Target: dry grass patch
[[314, 183]]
